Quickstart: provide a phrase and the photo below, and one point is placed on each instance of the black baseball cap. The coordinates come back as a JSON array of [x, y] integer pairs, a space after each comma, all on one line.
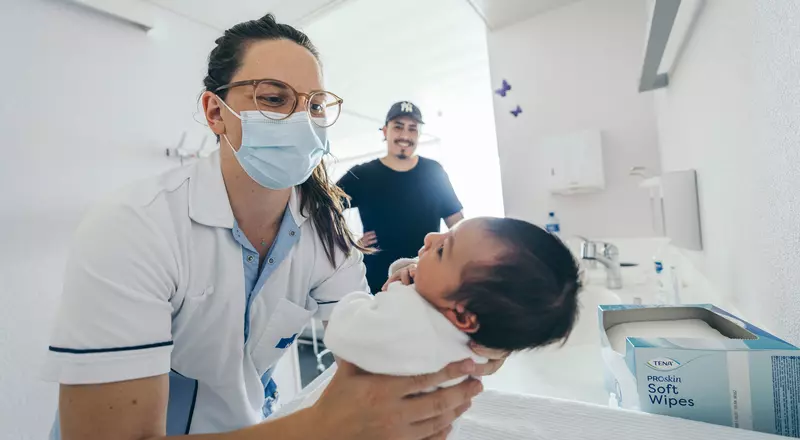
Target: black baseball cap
[[404, 108]]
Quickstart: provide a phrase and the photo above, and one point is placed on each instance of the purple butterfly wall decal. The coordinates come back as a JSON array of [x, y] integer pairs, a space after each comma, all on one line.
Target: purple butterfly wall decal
[[516, 111], [504, 89]]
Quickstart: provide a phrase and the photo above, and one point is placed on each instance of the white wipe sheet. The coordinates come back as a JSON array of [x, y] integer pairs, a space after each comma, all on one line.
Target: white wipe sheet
[[680, 328], [500, 416]]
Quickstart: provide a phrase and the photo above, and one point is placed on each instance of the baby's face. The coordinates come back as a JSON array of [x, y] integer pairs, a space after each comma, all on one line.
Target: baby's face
[[444, 256]]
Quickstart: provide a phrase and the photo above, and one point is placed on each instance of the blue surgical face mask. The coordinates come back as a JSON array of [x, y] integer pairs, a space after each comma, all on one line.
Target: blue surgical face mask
[[279, 154]]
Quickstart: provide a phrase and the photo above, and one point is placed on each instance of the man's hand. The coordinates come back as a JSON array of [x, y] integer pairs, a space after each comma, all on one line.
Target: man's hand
[[360, 406], [496, 359], [368, 239], [454, 219], [405, 275]]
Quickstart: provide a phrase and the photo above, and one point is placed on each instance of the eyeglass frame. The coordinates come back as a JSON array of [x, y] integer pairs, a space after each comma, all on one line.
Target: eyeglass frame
[[297, 95]]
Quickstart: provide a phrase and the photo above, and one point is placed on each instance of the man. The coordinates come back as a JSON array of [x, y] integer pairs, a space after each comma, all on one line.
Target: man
[[401, 197]]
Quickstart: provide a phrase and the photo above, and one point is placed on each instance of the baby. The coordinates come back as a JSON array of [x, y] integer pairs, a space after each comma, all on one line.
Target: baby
[[501, 283]]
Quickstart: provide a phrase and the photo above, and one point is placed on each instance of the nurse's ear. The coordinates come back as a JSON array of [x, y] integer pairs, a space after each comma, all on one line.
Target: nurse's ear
[[212, 108]]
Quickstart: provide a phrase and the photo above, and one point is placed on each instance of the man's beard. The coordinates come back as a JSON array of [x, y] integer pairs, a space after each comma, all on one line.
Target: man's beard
[[402, 155]]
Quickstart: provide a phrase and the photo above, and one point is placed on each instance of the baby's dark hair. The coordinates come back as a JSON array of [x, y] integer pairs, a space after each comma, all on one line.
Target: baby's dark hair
[[529, 297]]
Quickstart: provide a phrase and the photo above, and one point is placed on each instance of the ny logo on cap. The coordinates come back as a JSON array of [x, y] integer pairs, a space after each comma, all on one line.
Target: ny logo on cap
[[407, 107]]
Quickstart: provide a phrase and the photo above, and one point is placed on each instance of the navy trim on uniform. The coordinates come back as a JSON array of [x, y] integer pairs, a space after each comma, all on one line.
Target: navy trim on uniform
[[270, 393], [286, 342], [109, 350], [191, 410], [322, 303], [181, 404]]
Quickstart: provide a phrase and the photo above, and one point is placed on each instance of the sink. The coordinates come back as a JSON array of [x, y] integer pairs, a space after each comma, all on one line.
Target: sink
[[573, 371], [586, 330], [637, 283]]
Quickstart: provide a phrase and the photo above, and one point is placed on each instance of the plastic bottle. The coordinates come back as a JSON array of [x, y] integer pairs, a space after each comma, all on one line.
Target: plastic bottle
[[667, 276], [675, 282], [664, 291], [553, 225]]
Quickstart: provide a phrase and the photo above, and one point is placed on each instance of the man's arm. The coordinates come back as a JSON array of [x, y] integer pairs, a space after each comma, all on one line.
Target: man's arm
[[454, 219], [351, 185], [348, 276], [450, 206]]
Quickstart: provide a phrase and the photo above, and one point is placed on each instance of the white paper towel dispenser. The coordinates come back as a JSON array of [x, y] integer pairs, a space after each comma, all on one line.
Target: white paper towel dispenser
[[676, 207]]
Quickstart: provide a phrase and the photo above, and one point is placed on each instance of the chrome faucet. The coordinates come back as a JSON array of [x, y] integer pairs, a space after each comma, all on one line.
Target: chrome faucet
[[608, 256]]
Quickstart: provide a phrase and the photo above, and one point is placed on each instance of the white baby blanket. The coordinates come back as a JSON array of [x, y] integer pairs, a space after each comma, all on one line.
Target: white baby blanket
[[396, 332]]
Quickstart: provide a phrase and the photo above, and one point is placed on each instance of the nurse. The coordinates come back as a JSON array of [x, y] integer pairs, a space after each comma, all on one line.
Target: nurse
[[183, 292]]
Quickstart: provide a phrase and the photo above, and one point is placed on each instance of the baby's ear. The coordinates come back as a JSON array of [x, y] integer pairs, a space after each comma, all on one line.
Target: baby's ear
[[463, 319]]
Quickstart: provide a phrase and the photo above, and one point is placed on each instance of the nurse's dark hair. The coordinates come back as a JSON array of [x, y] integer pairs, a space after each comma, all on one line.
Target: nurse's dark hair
[[321, 200], [528, 297]]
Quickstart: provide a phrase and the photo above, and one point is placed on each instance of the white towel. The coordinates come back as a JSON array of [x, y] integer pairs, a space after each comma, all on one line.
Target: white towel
[[396, 332], [680, 328]]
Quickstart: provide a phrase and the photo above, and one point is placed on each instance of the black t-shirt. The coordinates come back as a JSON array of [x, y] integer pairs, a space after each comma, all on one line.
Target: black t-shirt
[[401, 207]]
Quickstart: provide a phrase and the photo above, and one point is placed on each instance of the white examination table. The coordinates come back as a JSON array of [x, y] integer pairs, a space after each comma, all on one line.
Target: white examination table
[[495, 416]]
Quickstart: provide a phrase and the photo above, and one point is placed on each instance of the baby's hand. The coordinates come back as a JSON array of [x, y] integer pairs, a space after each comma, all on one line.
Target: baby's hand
[[405, 275]]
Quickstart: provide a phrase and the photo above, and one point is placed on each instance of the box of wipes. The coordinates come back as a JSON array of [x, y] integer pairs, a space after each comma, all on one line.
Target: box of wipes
[[701, 363]]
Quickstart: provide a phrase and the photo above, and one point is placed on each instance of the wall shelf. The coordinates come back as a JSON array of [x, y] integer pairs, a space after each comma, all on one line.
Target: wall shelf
[[675, 207]]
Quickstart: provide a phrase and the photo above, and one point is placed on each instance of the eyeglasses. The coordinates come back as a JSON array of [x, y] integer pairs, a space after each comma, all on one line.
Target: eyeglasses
[[272, 97]]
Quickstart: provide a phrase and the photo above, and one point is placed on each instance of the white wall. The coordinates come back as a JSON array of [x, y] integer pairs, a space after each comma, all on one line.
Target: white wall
[[731, 112], [442, 66], [571, 69], [88, 105]]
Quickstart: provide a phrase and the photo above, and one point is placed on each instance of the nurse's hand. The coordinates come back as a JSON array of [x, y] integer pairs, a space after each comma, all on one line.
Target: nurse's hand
[[496, 359], [405, 275], [360, 406]]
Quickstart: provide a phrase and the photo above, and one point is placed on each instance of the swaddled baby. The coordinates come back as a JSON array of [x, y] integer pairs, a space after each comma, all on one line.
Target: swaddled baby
[[502, 283]]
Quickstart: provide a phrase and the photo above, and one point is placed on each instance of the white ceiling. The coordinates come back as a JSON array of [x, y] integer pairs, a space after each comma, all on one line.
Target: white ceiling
[[377, 52], [500, 13], [224, 14]]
